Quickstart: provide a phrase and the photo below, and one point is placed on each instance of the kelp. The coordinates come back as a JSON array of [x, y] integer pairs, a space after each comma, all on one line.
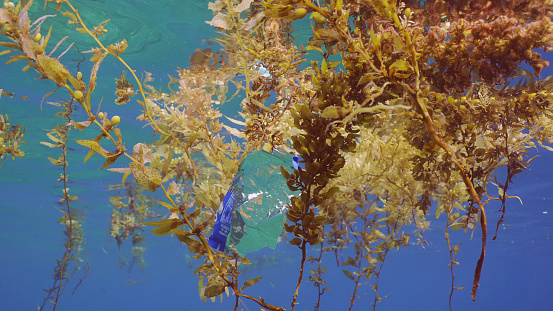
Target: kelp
[[406, 110]]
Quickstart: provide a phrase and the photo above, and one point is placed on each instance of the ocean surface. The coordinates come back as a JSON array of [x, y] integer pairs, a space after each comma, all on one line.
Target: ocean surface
[[517, 274]]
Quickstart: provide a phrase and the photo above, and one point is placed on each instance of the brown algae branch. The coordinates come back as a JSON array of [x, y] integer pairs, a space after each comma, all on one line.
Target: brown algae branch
[[300, 277], [145, 105], [432, 131]]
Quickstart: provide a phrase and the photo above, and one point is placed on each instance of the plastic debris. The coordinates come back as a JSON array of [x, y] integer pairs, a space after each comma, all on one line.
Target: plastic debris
[[252, 212]]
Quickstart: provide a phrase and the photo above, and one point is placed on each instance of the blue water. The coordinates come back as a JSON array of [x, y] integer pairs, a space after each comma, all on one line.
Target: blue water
[[517, 275]]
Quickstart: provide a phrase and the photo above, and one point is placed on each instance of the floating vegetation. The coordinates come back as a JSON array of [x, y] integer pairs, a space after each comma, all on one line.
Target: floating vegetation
[[406, 110], [10, 138], [74, 259], [72, 262], [129, 211]]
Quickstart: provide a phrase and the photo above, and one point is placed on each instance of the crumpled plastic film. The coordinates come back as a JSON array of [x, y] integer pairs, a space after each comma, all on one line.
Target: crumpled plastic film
[[252, 212]]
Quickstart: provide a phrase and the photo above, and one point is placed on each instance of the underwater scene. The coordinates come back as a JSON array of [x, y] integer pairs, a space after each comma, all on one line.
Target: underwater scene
[[276, 155]]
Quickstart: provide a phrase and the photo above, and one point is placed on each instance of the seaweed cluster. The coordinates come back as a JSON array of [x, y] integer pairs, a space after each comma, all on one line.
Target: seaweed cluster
[[10, 138], [406, 110], [129, 211]]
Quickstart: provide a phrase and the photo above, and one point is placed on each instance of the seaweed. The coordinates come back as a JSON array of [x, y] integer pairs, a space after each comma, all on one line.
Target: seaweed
[[10, 138], [405, 107], [74, 259]]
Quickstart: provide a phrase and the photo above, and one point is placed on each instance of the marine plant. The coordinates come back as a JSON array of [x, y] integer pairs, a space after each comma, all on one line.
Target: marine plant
[[74, 258], [10, 138], [129, 212], [407, 109]]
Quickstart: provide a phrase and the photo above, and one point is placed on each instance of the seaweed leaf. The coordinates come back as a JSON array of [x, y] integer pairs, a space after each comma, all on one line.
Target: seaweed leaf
[[164, 226], [111, 159], [250, 282], [348, 274], [214, 290], [147, 177], [53, 69], [94, 146]]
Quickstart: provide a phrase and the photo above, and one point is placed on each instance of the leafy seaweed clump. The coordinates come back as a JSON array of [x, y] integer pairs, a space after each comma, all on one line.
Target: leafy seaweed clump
[[10, 138], [399, 111]]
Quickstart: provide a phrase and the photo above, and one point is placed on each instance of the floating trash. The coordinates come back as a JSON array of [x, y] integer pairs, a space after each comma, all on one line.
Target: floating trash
[[252, 212]]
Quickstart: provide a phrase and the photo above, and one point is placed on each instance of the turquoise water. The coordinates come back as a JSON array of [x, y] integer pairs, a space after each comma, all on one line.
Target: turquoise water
[[518, 271]]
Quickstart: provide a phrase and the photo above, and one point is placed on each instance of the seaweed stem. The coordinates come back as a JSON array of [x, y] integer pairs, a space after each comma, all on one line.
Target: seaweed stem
[[300, 277]]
